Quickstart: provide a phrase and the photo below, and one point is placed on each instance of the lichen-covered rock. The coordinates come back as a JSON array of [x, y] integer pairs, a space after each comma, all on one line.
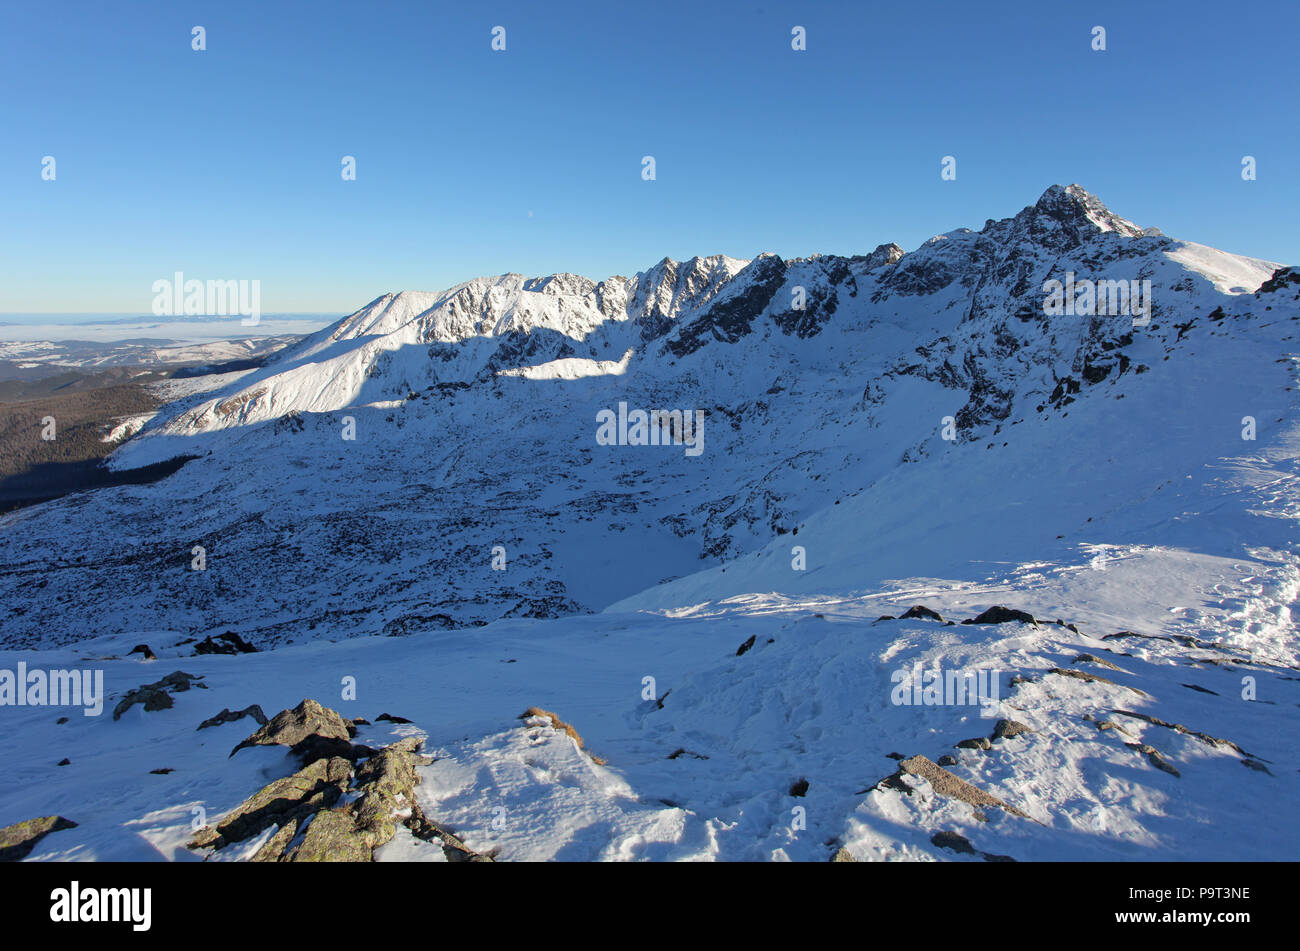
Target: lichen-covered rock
[[333, 836], [339, 807], [316, 786], [18, 840], [301, 729]]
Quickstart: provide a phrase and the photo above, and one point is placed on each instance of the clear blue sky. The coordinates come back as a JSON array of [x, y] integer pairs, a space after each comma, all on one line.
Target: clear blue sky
[[225, 163]]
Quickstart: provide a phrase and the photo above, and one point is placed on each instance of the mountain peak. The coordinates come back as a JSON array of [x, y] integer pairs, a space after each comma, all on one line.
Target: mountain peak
[[1075, 205]]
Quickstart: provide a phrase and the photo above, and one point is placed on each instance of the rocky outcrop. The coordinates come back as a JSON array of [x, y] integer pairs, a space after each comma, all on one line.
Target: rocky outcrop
[[921, 611], [1092, 679], [1000, 615], [311, 732], [227, 643], [155, 696], [336, 808], [1094, 659], [230, 716], [287, 803], [943, 782], [1154, 756], [18, 840], [1005, 729]]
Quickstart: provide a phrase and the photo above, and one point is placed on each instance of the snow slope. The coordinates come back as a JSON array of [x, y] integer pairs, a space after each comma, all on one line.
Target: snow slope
[[1099, 473]]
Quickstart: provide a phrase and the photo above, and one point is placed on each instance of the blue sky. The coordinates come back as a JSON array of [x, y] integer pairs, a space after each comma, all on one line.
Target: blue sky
[[226, 163]]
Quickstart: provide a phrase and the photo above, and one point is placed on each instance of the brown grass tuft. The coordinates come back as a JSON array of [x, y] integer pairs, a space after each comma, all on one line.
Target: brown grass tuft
[[563, 728]]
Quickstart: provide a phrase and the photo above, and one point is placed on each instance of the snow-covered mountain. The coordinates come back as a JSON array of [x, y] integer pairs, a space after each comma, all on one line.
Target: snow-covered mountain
[[878, 431], [474, 413]]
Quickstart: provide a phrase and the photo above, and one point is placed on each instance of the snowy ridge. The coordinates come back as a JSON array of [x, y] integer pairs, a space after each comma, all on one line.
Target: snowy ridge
[[922, 432]]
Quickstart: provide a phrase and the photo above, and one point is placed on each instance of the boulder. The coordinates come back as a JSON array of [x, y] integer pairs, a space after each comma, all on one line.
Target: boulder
[[227, 643], [1005, 729], [18, 840], [921, 611], [1000, 615], [301, 729], [155, 696]]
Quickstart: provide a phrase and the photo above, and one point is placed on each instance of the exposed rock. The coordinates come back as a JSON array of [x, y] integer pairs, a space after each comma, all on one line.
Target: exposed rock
[[1153, 755], [1093, 659], [944, 783], [314, 827], [162, 772], [1000, 615], [799, 788], [747, 645], [307, 730], [682, 751], [316, 786], [1105, 725], [921, 611], [18, 840], [227, 643], [64, 762], [953, 841], [1185, 639], [230, 716], [422, 827], [947, 759], [975, 743], [143, 649], [1092, 678], [154, 696], [1005, 729], [318, 747], [1179, 728], [332, 836], [388, 781], [389, 718], [1256, 765], [843, 855]]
